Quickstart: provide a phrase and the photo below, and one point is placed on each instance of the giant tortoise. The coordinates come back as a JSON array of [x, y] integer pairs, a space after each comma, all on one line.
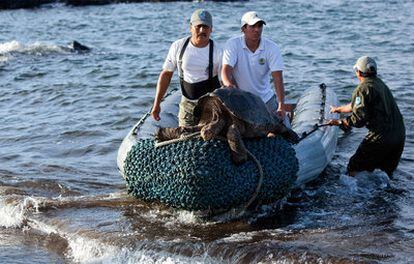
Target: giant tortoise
[[234, 114]]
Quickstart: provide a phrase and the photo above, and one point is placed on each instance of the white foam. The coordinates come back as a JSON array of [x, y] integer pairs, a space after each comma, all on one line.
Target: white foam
[[11, 216], [10, 46], [186, 217], [366, 182], [349, 182], [14, 214], [172, 218], [3, 59], [375, 180], [86, 250], [39, 49], [35, 48], [239, 237]]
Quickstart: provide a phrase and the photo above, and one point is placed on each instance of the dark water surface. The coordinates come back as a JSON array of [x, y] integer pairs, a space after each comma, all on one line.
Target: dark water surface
[[63, 116]]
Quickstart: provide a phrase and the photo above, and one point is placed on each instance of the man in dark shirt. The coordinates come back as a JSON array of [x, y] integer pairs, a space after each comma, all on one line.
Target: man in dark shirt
[[374, 107]]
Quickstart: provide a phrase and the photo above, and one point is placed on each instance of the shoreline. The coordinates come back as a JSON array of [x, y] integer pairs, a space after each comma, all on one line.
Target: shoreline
[[18, 4]]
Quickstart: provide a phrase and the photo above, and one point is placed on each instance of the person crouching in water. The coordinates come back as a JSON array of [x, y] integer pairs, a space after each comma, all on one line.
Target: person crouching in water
[[374, 107], [198, 61]]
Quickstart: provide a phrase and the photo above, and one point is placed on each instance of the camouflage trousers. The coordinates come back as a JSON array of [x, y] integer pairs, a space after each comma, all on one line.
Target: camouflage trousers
[[186, 113]]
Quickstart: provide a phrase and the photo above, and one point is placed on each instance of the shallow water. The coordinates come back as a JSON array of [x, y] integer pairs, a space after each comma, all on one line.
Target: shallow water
[[64, 114]]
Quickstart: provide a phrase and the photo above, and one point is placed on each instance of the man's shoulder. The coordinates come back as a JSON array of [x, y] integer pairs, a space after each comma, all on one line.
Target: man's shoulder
[[365, 86], [270, 44], [237, 40], [369, 82], [179, 42], [378, 81]]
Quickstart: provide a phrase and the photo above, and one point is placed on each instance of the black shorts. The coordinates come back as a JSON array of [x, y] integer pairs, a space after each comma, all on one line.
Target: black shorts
[[383, 154]]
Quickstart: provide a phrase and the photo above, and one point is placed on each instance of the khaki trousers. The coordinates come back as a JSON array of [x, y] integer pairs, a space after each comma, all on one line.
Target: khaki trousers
[[186, 112]]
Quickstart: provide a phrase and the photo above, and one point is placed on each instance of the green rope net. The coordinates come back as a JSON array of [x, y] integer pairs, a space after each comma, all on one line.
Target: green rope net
[[199, 175]]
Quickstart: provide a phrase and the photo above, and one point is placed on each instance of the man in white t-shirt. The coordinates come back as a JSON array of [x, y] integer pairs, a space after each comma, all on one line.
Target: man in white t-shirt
[[248, 62], [198, 61]]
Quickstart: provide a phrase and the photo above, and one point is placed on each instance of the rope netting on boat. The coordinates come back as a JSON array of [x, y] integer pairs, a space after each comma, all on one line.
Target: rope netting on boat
[[199, 175]]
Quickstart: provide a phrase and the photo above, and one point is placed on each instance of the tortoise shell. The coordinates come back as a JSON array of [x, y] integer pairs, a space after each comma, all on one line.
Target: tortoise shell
[[244, 105]]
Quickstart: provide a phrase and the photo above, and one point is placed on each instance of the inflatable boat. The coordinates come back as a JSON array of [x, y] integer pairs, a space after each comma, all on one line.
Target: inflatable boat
[[198, 175]]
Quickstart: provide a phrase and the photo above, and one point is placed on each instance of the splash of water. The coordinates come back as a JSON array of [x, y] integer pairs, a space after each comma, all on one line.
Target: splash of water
[[365, 182], [35, 48], [14, 215], [11, 216]]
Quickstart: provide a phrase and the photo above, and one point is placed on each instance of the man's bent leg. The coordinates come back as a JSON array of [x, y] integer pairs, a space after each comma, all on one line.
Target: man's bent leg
[[368, 157], [186, 112]]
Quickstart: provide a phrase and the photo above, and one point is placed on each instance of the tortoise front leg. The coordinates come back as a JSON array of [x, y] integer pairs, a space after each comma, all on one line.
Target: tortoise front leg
[[213, 129], [236, 144], [286, 133], [168, 133]]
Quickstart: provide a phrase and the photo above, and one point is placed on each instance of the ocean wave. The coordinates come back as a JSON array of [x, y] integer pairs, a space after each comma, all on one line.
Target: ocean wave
[[365, 183], [38, 48], [3, 59], [86, 246], [15, 209], [14, 215], [35, 48]]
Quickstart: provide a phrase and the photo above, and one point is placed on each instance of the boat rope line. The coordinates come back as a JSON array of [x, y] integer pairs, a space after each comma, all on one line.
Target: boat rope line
[[314, 128], [252, 157], [175, 140], [259, 182], [147, 114], [322, 86]]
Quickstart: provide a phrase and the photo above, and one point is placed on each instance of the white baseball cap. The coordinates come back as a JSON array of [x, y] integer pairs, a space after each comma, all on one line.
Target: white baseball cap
[[250, 18]]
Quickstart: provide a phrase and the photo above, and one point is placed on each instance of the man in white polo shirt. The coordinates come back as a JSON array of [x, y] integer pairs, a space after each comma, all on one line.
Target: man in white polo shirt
[[198, 60], [248, 62]]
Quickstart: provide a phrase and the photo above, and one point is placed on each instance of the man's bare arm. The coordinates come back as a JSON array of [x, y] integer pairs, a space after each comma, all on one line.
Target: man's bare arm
[[341, 109], [162, 86], [227, 76], [280, 92]]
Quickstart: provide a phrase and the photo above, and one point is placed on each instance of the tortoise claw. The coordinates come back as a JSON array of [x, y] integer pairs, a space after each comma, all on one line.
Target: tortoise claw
[[206, 134], [292, 136]]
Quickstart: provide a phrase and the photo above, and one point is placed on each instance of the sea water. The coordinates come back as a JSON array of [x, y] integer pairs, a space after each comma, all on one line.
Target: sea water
[[63, 116]]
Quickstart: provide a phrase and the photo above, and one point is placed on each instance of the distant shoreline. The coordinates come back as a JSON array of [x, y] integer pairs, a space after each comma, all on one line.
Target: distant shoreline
[[17, 4]]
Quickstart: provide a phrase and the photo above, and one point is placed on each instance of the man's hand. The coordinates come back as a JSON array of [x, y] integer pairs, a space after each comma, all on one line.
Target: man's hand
[[162, 86], [281, 114], [335, 122], [334, 109], [155, 112], [227, 76], [342, 123]]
